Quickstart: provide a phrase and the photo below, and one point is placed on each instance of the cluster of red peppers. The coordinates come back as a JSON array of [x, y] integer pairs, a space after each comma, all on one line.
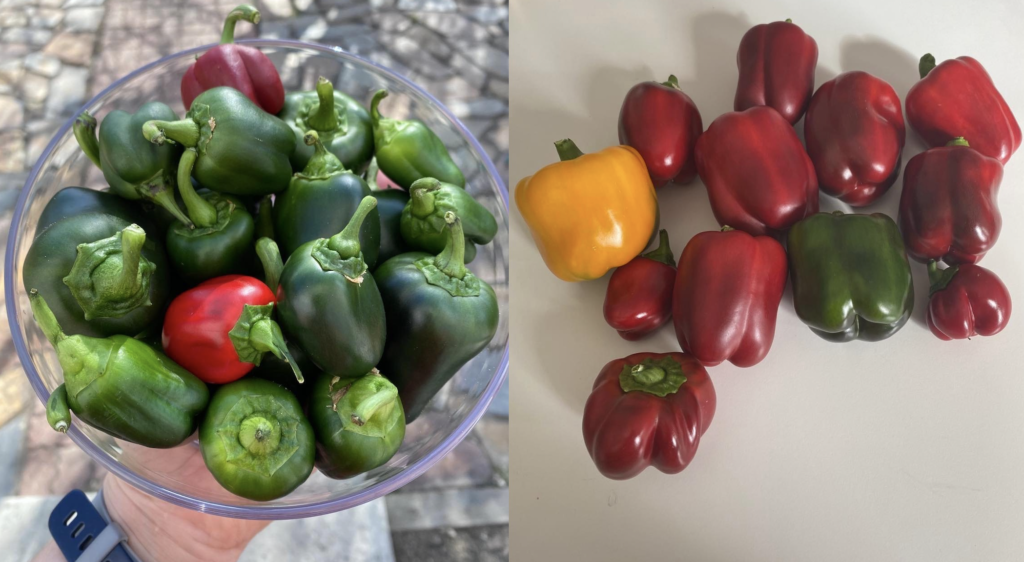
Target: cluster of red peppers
[[851, 274]]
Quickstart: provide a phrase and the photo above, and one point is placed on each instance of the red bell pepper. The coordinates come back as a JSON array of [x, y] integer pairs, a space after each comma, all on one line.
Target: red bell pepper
[[727, 295], [958, 99], [648, 409], [948, 207], [758, 176], [220, 329], [245, 69], [855, 134], [662, 123], [776, 62], [966, 300], [639, 297]]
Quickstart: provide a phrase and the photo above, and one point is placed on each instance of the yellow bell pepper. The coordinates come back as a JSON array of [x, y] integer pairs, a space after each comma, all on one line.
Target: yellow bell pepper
[[589, 213]]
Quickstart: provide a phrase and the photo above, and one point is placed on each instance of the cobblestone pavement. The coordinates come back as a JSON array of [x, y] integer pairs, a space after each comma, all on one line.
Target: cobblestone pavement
[[56, 54]]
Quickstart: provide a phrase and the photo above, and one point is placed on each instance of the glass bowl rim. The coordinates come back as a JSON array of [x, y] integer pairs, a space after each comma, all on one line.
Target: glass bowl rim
[[253, 511]]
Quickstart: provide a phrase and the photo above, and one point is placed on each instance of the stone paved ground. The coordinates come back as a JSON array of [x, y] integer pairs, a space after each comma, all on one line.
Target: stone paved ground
[[56, 54]]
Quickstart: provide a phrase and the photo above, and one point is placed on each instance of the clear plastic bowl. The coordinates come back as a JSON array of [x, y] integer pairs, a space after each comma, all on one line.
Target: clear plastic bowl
[[178, 475]]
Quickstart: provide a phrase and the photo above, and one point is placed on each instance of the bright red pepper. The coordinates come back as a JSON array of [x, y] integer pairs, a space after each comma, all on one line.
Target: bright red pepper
[[958, 99], [758, 176], [648, 409], [727, 295], [245, 69], [776, 62], [662, 123], [220, 329], [966, 300], [639, 297], [948, 207], [855, 134]]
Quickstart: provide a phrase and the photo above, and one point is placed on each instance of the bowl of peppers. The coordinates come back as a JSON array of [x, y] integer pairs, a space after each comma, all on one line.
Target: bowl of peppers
[[262, 279]]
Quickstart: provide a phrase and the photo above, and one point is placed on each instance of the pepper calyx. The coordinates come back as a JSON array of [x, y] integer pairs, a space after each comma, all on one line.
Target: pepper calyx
[[323, 164], [82, 359], [926, 64], [367, 405], [663, 253], [111, 277], [660, 377], [256, 333], [259, 434], [447, 270], [938, 279]]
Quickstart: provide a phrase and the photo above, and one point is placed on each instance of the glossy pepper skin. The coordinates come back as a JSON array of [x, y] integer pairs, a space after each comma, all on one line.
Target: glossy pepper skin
[[958, 99], [102, 275], [72, 201], [358, 422], [408, 150], [390, 205], [639, 296], [726, 296], [662, 123], [341, 123], [966, 301], [249, 153], [243, 68], [423, 223], [648, 409], [120, 386], [776, 62], [851, 277], [855, 134], [948, 208], [256, 441], [440, 316], [758, 176], [589, 213]]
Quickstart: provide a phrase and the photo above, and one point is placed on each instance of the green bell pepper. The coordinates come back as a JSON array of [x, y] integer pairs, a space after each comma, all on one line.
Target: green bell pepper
[[358, 422], [343, 125], [72, 201], [408, 150], [439, 316], [851, 277], [120, 386], [242, 150], [255, 440], [423, 219]]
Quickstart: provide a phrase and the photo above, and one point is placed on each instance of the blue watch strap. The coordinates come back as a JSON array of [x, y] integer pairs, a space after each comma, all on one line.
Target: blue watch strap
[[82, 534]]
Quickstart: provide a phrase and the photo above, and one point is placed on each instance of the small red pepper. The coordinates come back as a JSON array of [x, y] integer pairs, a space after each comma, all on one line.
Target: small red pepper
[[758, 176], [727, 295], [245, 69], [948, 207], [648, 409], [966, 300], [776, 62], [957, 98], [662, 123], [639, 297], [220, 329], [855, 134]]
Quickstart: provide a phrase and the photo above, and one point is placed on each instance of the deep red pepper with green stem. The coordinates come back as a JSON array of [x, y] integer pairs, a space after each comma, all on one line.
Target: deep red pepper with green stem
[[639, 297], [966, 301]]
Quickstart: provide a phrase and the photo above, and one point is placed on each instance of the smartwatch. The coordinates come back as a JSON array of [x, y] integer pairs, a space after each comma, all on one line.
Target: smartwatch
[[84, 533]]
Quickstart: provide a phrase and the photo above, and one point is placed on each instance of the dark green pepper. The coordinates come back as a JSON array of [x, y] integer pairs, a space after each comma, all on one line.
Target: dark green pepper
[[320, 201], [72, 201], [134, 168], [242, 150], [390, 203], [408, 150], [101, 274], [423, 219], [439, 316], [343, 125], [328, 302], [255, 440], [358, 422], [120, 386], [851, 277]]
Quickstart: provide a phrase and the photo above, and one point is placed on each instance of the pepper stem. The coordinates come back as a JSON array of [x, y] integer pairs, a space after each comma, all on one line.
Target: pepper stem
[[200, 210], [58, 414], [326, 117], [451, 259], [165, 198], [939, 278], [660, 377], [183, 131], [567, 150], [375, 107], [265, 218], [323, 163], [270, 256], [242, 12], [371, 174], [257, 435], [346, 242], [789, 20], [385, 395], [647, 375], [45, 319], [926, 65], [672, 82], [421, 196], [959, 141], [127, 283], [85, 134], [663, 253], [265, 336]]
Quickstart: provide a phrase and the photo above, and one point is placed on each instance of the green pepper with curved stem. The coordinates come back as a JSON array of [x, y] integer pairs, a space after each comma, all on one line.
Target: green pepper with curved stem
[[320, 201], [343, 125], [423, 219], [328, 301], [242, 150], [134, 168], [103, 276], [255, 440], [358, 422], [439, 316], [120, 386], [408, 150], [72, 201]]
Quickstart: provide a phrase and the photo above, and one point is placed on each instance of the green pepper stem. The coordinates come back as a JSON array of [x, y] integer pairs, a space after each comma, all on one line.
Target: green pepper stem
[[326, 117], [270, 256], [256, 434], [200, 210], [127, 283], [323, 163], [647, 375], [926, 65], [672, 82], [346, 242], [385, 395], [265, 218], [451, 260], [959, 141], [265, 336], [242, 12], [567, 150], [85, 134], [183, 131], [375, 107], [371, 174], [421, 196], [789, 20], [663, 253], [727, 228], [45, 319], [165, 198], [58, 414], [938, 279]]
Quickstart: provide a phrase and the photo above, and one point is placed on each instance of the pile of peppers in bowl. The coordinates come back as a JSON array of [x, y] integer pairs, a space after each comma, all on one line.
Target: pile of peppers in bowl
[[244, 275], [850, 272]]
